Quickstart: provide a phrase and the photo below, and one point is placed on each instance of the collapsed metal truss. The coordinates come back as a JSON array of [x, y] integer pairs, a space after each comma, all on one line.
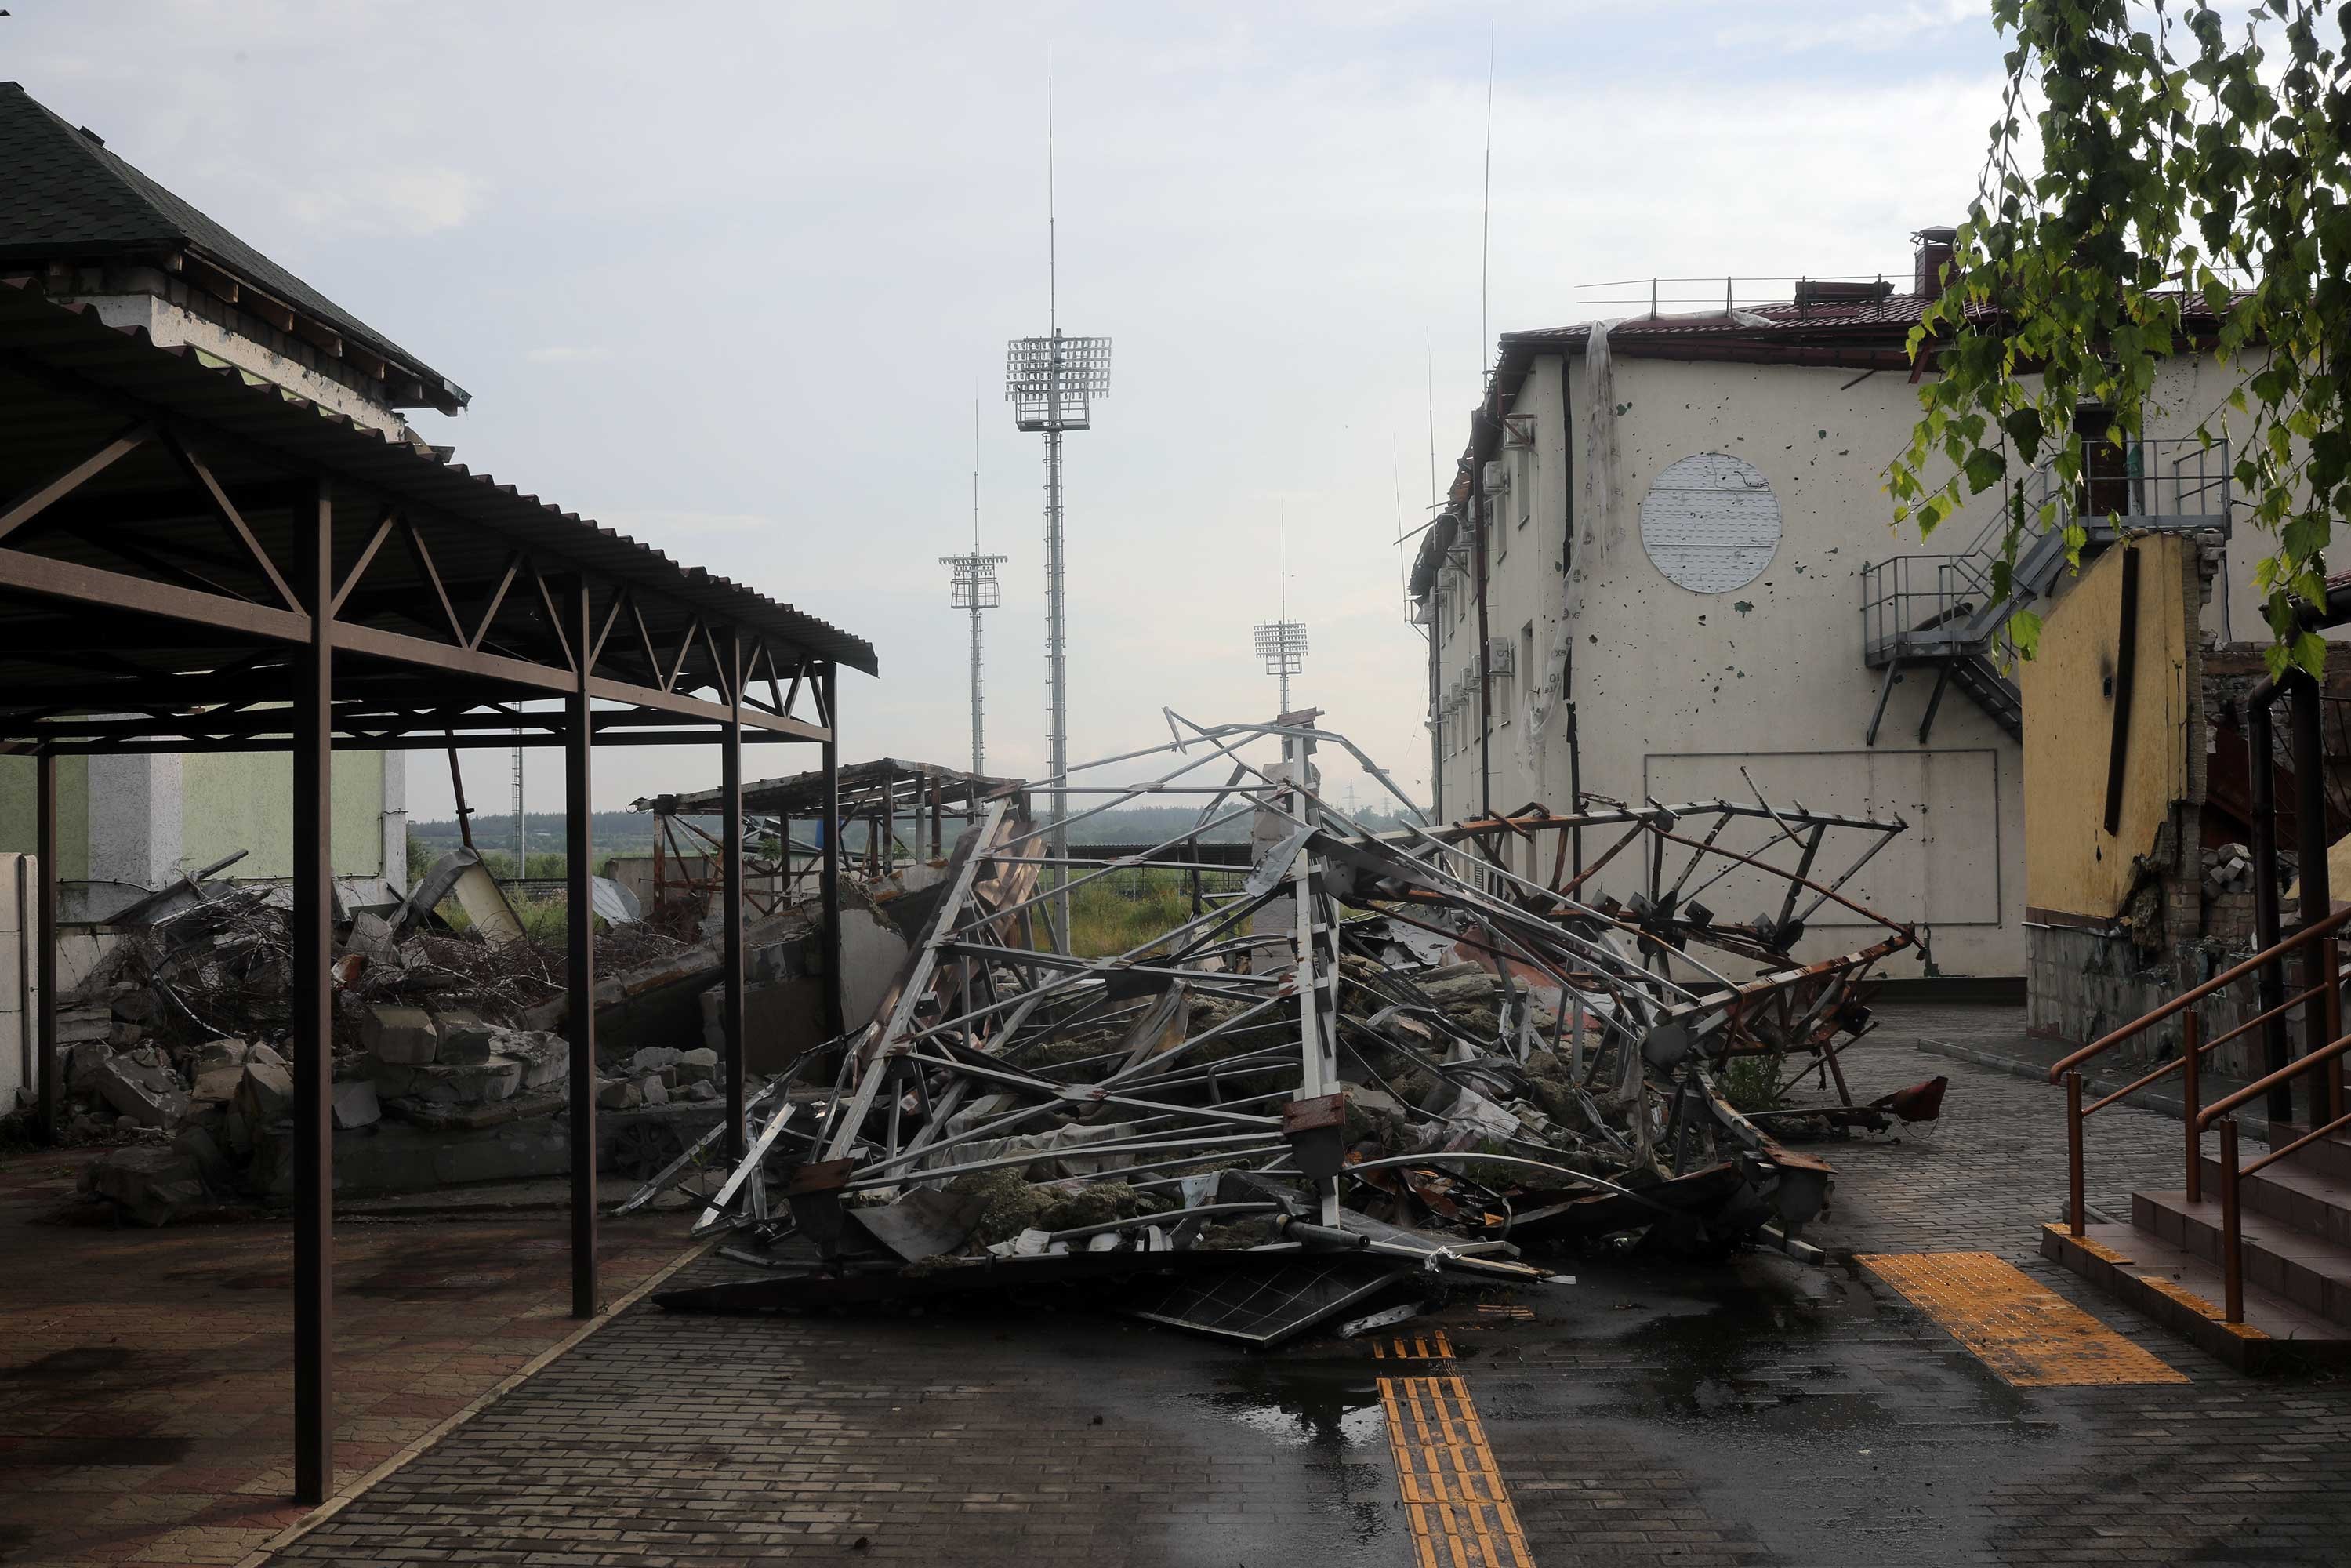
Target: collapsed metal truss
[[1427, 1043]]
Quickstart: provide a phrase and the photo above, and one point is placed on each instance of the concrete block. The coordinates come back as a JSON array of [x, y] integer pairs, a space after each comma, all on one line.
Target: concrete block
[[620, 1095], [697, 1066], [401, 1035], [652, 1090], [465, 1038], [217, 1085], [149, 1095], [546, 1057], [701, 1089], [223, 1054], [211, 1164], [150, 1185], [451, 1084], [653, 1058], [356, 1104], [266, 1056], [85, 1061], [265, 1095]]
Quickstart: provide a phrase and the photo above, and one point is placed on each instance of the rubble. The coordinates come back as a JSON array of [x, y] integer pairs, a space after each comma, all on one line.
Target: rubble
[[169, 1038], [1383, 1060]]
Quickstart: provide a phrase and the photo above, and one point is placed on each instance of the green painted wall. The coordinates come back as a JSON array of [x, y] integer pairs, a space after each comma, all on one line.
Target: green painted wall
[[73, 811], [244, 800], [231, 800]]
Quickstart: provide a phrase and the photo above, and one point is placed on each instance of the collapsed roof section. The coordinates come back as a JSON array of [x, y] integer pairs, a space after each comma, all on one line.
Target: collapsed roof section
[[1431, 1048]]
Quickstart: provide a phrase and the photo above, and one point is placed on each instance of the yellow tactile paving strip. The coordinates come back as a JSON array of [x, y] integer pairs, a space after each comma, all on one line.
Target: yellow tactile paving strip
[[1454, 1500], [1419, 1347], [2028, 1334]]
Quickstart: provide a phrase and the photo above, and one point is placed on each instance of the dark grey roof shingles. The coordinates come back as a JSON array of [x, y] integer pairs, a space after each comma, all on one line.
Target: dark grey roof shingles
[[65, 195]]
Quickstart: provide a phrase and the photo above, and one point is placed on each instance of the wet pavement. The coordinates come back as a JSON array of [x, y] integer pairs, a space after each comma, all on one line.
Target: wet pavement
[[1752, 1412]]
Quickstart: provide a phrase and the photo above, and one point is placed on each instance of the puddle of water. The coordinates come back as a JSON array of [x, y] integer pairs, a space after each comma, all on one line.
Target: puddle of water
[[1327, 1415]]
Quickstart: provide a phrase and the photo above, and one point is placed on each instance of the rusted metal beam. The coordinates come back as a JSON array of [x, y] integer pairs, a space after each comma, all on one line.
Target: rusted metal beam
[[579, 940], [312, 938]]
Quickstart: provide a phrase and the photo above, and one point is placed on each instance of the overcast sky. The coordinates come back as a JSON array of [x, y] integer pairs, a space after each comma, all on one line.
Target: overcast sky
[[729, 278]]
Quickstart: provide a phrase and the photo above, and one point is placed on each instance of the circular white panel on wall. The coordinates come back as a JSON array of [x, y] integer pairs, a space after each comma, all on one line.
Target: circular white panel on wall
[[1710, 523]]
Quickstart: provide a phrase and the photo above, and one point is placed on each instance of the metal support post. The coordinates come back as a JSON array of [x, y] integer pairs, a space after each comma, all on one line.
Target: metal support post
[[2074, 1204], [45, 924], [312, 934], [730, 1000], [2233, 1247], [2317, 902], [2191, 1098], [828, 884], [2261, 764], [579, 940]]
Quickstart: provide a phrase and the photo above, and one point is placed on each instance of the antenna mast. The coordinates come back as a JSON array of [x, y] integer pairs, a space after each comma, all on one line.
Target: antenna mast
[[1050, 382], [975, 587]]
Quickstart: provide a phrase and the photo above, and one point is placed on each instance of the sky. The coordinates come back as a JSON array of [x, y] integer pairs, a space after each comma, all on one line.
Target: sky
[[729, 278]]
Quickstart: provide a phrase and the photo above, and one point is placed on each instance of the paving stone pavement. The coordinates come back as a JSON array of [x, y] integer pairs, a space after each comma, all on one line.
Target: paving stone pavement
[[1654, 1413], [146, 1382]]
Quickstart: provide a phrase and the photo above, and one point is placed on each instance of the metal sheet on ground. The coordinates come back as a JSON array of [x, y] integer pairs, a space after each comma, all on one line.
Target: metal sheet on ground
[[1263, 1308]]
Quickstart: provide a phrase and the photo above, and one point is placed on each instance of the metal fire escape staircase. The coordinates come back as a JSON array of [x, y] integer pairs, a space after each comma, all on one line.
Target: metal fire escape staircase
[[1939, 611]]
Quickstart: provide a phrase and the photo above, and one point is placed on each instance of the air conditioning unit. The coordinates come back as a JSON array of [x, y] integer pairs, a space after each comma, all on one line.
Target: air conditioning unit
[[1501, 655], [1497, 475]]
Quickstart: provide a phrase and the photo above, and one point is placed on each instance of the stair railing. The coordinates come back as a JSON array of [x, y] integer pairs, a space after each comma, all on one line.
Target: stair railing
[[2196, 1118], [2232, 1174]]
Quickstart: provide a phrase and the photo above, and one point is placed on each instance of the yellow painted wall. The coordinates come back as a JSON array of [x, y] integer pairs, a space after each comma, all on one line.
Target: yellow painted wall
[[2071, 863]]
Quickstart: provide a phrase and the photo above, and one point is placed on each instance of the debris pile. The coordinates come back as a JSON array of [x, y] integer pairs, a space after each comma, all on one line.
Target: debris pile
[[1381, 1058], [176, 1046]]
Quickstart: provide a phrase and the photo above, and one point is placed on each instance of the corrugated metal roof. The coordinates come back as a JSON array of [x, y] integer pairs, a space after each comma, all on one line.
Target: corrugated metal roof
[[298, 437]]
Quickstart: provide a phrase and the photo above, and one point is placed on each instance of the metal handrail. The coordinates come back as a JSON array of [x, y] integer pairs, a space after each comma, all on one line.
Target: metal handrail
[[2286, 1074], [2196, 1118], [2177, 1063], [2188, 998]]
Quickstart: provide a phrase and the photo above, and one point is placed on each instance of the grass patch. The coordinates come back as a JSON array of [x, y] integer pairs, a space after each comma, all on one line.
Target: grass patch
[[1122, 911]]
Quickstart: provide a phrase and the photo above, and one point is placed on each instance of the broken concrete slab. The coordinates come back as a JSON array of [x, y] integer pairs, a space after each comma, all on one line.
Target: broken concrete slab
[[699, 1065], [264, 1094], [223, 1053], [149, 1185], [620, 1095], [84, 1062], [546, 1057], [217, 1085], [465, 1037], [465, 1082], [148, 1094], [653, 1058], [400, 1035], [356, 1104]]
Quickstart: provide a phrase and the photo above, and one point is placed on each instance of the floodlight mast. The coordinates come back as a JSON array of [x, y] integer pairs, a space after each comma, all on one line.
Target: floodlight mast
[[975, 587], [1282, 643], [1050, 382]]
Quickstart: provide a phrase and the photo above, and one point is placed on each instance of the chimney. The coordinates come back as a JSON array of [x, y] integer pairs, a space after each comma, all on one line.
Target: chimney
[[1934, 252]]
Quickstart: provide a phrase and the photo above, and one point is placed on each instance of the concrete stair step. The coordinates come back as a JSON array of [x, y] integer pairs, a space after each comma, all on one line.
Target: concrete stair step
[[2303, 1268], [2184, 1292], [2295, 1193]]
